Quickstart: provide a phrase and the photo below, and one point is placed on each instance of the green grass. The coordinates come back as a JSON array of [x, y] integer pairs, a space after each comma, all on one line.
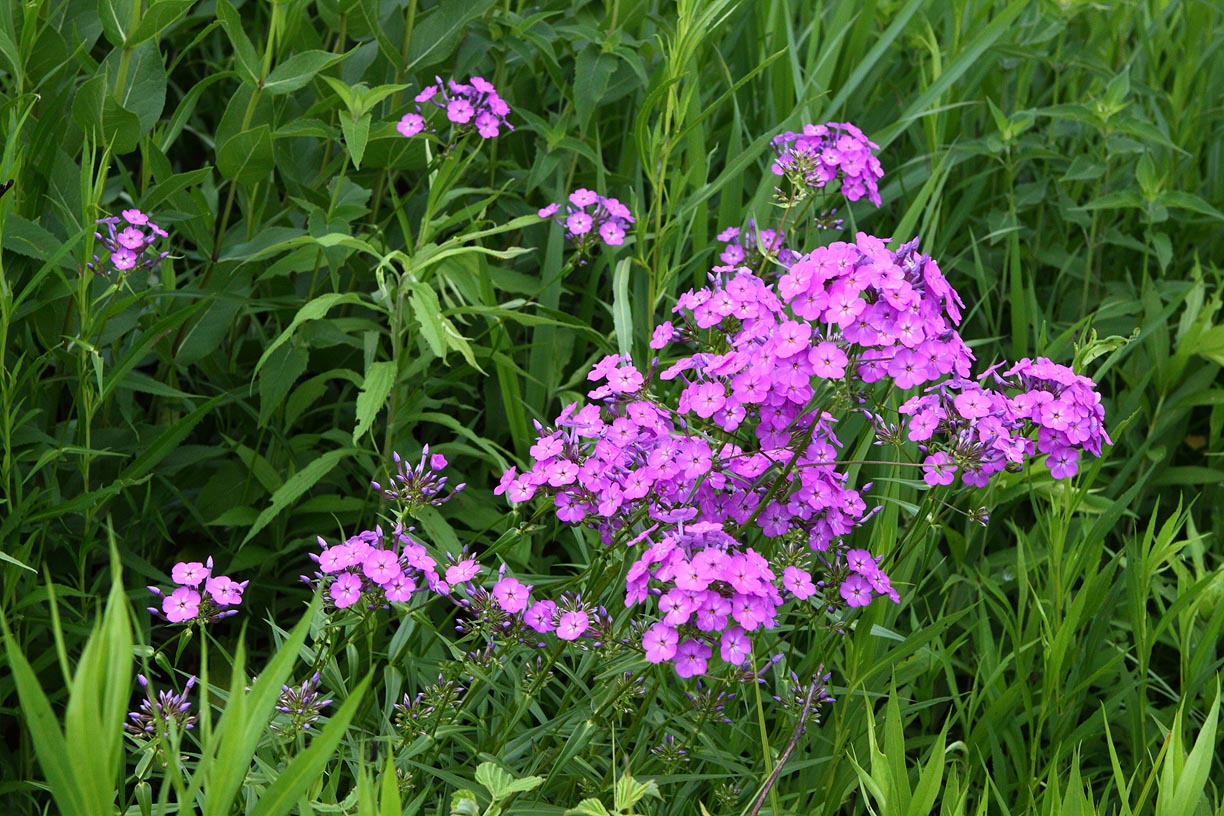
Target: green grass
[[329, 301]]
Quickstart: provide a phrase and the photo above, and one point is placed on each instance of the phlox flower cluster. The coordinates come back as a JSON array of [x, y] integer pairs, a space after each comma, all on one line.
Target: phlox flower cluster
[[978, 431], [469, 106], [198, 595], [818, 154], [590, 218], [156, 713], [128, 241], [374, 569]]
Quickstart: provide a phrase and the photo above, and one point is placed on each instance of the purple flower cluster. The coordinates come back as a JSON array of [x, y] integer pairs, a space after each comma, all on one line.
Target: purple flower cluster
[[733, 497], [376, 569], [156, 714], [590, 218], [129, 243], [820, 153], [186, 604], [470, 106], [963, 426]]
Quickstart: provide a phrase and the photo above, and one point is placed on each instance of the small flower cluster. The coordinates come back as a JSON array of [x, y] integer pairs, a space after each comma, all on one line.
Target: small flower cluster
[[980, 431], [378, 569], [302, 705], [186, 604], [418, 715], [819, 154], [129, 243], [590, 218], [420, 486], [751, 247], [156, 714], [470, 106]]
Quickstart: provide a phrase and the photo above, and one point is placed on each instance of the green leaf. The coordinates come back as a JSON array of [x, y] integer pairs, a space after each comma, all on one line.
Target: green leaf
[[296, 72], [275, 380], [96, 110], [248, 64], [628, 792], [246, 157], [428, 312], [1182, 200], [379, 379], [313, 310], [501, 784], [295, 486], [281, 797], [167, 441], [592, 71], [588, 807], [622, 308], [159, 16], [116, 16], [463, 803], [436, 35], [356, 136]]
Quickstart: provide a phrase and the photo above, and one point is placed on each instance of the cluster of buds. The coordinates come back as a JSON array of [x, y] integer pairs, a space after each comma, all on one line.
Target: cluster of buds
[[419, 486], [590, 219], [129, 244], [470, 106], [303, 706], [417, 715], [158, 714], [185, 604]]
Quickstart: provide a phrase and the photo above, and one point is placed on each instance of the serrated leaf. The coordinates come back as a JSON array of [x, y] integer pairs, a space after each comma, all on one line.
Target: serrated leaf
[[311, 311], [588, 807], [628, 792], [379, 380], [295, 486]]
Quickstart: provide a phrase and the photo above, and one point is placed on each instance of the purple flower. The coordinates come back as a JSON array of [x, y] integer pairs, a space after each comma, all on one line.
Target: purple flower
[[572, 624], [181, 605], [472, 106], [346, 590], [590, 219]]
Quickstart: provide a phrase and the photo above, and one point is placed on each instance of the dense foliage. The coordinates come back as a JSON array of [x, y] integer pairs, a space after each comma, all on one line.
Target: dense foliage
[[524, 407]]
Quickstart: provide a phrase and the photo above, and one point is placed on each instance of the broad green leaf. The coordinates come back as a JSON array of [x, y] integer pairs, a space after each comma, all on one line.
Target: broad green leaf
[[593, 69], [144, 85], [428, 312], [96, 110], [247, 156], [463, 803], [159, 16], [295, 486], [294, 73], [116, 17], [436, 35], [356, 135], [168, 441]]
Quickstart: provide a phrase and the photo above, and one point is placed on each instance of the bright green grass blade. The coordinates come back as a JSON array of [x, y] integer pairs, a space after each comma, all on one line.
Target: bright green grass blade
[[304, 770]]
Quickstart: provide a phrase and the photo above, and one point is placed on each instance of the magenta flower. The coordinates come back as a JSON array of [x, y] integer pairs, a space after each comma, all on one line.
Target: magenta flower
[[660, 642], [511, 595], [590, 219], [462, 572], [181, 605], [571, 625], [469, 106], [541, 616], [346, 590], [190, 573], [224, 590], [411, 124]]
